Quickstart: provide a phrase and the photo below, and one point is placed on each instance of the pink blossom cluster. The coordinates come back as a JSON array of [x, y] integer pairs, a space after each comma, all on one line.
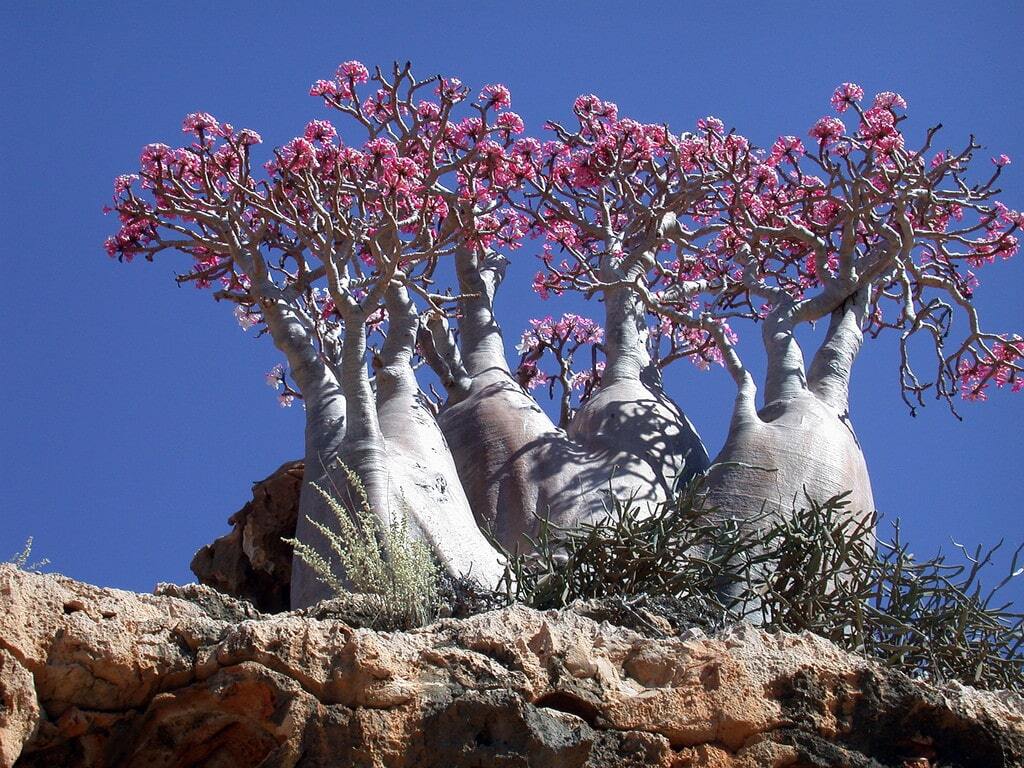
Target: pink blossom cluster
[[828, 130], [561, 339], [704, 224], [999, 240], [845, 95], [199, 123], [247, 317], [403, 174], [1004, 366], [343, 86], [569, 327], [697, 344]]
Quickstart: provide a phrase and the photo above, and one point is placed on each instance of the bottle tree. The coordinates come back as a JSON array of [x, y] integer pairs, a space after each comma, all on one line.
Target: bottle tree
[[854, 229], [329, 243], [366, 251]]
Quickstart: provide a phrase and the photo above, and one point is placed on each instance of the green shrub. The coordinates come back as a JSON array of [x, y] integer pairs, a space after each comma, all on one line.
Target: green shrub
[[819, 569], [374, 559]]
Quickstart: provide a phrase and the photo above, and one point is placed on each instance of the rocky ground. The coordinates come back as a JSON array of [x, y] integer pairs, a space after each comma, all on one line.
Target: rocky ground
[[188, 677]]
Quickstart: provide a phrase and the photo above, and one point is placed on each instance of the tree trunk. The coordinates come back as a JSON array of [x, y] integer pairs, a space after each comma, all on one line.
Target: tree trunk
[[324, 434], [394, 446], [425, 482], [643, 439], [516, 467], [790, 447], [801, 441]]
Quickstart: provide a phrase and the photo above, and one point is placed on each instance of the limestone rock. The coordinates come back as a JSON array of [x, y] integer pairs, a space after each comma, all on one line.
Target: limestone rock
[[251, 562], [94, 677], [19, 710]]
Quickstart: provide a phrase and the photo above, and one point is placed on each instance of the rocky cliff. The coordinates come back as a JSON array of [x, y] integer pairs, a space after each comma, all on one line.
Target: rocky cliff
[[251, 561], [188, 677]]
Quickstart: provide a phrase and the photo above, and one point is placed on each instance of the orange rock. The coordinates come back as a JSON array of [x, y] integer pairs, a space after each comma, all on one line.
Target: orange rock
[[94, 677]]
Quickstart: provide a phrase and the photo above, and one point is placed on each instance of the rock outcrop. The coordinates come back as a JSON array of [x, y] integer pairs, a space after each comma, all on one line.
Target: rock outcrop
[[252, 562], [189, 677]]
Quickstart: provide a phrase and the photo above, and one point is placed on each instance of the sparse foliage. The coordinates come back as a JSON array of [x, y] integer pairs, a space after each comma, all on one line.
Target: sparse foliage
[[23, 560], [374, 558], [819, 569]]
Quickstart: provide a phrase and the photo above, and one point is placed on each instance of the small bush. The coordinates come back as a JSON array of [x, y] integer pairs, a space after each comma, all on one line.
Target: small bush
[[374, 559], [820, 569], [23, 559]]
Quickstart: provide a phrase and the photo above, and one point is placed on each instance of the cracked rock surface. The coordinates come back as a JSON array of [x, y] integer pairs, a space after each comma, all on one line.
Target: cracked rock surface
[[188, 677]]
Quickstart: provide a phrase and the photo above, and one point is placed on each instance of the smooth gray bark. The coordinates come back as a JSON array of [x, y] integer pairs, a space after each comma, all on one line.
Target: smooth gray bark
[[801, 441], [516, 467], [425, 484], [395, 447], [324, 432], [636, 431]]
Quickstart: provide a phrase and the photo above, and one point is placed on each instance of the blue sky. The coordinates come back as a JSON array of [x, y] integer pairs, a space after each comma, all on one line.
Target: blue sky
[[136, 417]]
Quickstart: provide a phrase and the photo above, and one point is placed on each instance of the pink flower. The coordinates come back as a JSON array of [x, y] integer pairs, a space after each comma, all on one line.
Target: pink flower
[[353, 70], [275, 376], [470, 127], [381, 149], [589, 105], [496, 95], [712, 124], [889, 100], [828, 130], [996, 243], [380, 106], [248, 137], [583, 329], [227, 160], [1002, 365], [298, 154], [786, 146], [451, 89], [539, 286], [1002, 161], [351, 161], [124, 182], [528, 150], [247, 317], [845, 95], [324, 88], [510, 123], [763, 175], [399, 173], [428, 111], [197, 122], [531, 375], [435, 206], [285, 400], [320, 130], [154, 153], [879, 128]]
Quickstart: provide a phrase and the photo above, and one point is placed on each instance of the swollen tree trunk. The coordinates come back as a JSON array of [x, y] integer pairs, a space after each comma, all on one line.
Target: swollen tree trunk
[[515, 465], [425, 483], [393, 445], [629, 424], [324, 434], [801, 441]]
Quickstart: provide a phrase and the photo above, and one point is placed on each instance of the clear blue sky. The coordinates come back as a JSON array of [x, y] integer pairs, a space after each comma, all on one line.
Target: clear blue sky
[[135, 415]]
